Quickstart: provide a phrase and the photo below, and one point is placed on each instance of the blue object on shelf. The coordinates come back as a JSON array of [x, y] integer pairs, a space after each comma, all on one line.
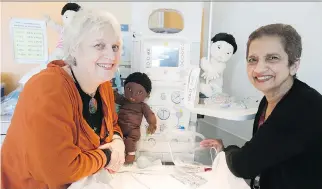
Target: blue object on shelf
[[8, 102], [124, 27], [181, 127], [117, 84], [2, 90]]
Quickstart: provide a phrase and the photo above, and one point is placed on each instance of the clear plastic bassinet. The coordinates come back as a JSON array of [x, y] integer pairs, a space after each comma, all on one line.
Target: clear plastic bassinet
[[202, 157]]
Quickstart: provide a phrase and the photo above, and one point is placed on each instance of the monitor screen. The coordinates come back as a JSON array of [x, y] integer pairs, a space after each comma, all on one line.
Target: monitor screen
[[165, 56]]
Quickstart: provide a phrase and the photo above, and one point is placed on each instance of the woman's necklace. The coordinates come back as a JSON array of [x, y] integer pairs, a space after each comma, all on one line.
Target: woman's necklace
[[92, 105]]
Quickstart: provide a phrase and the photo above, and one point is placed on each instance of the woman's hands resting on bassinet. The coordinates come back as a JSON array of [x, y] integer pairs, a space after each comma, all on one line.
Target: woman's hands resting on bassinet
[[118, 153], [217, 144]]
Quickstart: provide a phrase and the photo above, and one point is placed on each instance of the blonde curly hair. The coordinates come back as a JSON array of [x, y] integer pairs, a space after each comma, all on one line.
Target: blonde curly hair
[[84, 22]]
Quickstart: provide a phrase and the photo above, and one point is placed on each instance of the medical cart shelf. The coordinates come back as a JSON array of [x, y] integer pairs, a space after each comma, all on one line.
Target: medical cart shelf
[[222, 113], [5, 123]]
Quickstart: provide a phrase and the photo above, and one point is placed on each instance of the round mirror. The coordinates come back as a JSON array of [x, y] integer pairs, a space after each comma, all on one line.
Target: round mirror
[[166, 21]]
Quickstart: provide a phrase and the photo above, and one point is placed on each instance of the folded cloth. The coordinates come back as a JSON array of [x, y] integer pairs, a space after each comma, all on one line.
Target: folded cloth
[[222, 177], [100, 180]]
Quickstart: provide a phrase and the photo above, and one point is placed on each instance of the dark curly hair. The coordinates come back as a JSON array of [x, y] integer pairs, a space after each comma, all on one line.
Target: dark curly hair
[[140, 78], [70, 6]]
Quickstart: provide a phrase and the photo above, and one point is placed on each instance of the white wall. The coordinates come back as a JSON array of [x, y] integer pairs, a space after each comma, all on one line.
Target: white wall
[[121, 10], [241, 18]]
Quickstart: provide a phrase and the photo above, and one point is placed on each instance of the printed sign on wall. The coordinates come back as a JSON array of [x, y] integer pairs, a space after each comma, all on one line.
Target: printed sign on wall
[[29, 39]]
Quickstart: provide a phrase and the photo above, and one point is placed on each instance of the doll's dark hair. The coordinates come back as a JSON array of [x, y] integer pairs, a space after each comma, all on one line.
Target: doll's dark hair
[[70, 6], [227, 38], [140, 78]]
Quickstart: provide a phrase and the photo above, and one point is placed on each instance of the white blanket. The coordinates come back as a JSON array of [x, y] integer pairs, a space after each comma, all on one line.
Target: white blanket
[[219, 178], [100, 180], [222, 177]]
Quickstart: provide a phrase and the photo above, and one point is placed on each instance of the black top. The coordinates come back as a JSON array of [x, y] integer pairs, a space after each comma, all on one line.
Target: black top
[[286, 151], [93, 120]]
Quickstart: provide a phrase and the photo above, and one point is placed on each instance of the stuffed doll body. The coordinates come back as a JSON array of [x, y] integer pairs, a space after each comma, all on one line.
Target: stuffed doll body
[[67, 14], [137, 87], [222, 48]]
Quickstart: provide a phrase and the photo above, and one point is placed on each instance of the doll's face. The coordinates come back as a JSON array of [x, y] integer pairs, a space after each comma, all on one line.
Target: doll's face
[[221, 51], [135, 92], [68, 16]]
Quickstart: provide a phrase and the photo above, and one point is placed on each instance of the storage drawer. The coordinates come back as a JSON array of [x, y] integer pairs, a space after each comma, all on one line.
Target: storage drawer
[[5, 123], [4, 127], [2, 139]]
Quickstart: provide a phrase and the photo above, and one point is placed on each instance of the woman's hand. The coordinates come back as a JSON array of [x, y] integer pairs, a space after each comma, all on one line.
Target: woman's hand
[[115, 163], [213, 143], [118, 154]]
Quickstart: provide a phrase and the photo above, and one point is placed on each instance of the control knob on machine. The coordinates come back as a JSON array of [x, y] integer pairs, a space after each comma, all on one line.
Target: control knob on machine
[[163, 96], [181, 55], [163, 113], [162, 127], [176, 97], [152, 142], [148, 59]]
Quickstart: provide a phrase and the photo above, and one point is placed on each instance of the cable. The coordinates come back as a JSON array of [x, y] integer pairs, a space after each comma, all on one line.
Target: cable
[[171, 153], [212, 148]]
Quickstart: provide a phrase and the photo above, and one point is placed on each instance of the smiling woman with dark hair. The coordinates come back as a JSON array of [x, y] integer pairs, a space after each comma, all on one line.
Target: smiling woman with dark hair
[[286, 148]]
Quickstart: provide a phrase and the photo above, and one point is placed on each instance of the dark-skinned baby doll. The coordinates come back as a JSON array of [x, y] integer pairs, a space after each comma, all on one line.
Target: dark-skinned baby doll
[[137, 87]]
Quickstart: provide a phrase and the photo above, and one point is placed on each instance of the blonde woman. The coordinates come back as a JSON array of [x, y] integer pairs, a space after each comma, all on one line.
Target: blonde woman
[[64, 127]]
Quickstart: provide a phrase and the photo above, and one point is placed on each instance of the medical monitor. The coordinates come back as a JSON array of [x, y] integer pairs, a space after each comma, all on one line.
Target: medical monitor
[[165, 58]]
